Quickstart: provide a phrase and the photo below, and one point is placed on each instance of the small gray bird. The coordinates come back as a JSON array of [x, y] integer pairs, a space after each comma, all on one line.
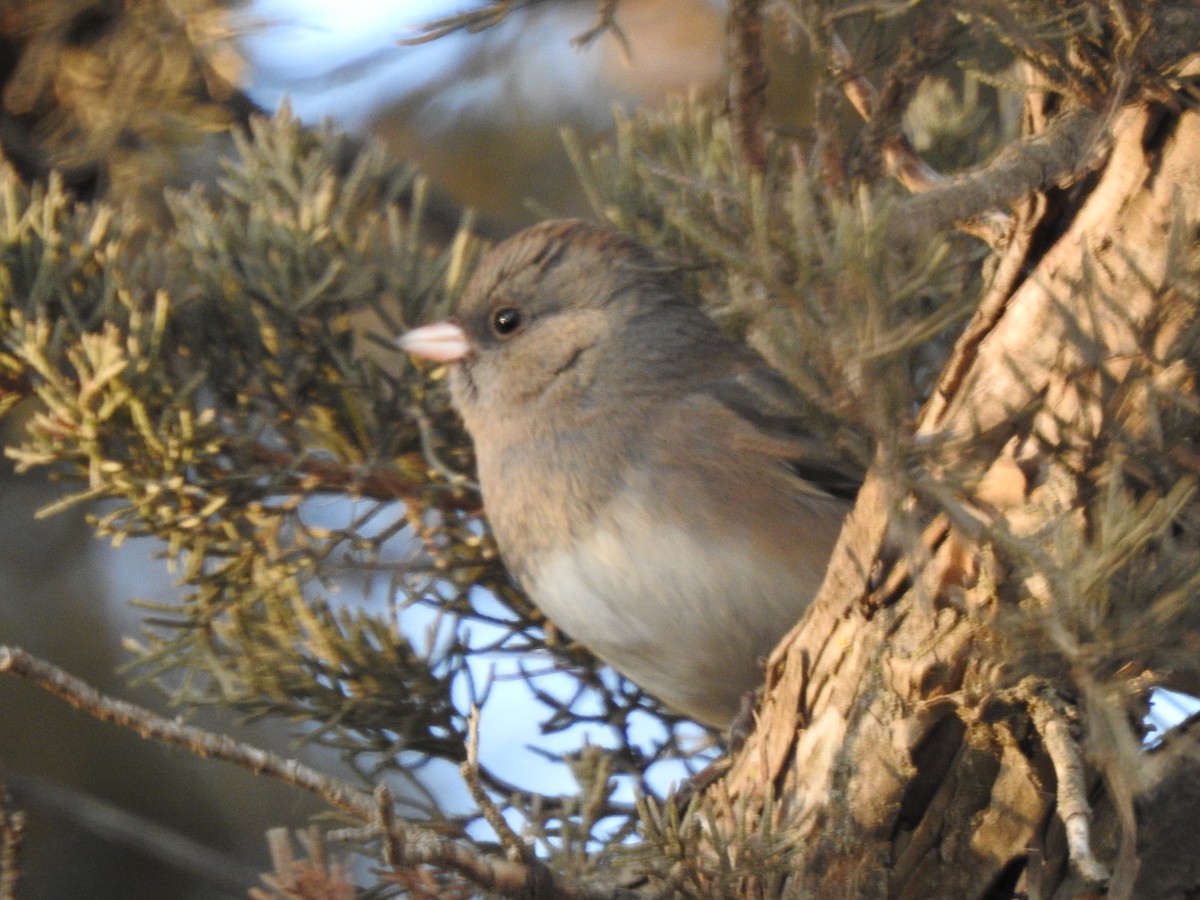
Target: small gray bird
[[646, 477]]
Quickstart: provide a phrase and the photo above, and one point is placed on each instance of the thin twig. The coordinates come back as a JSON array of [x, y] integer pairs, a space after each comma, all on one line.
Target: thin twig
[[426, 431], [1050, 720], [914, 60], [385, 820], [514, 848], [901, 159], [606, 20], [418, 845], [12, 835], [206, 744], [747, 82], [383, 483], [472, 21]]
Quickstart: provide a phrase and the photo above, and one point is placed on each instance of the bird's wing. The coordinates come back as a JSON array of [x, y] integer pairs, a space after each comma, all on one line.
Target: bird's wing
[[768, 419]]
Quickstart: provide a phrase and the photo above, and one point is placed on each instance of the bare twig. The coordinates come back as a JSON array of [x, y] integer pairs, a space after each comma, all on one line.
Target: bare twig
[[901, 160], [418, 845], [322, 475], [1050, 720], [472, 21], [915, 57], [515, 848], [606, 20], [206, 744], [385, 819], [1064, 148], [747, 82]]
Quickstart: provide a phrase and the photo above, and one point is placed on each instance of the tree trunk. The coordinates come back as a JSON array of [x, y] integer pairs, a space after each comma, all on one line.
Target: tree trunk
[[920, 730]]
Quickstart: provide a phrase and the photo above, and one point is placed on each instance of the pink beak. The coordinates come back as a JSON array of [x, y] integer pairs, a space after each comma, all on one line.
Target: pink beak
[[441, 342]]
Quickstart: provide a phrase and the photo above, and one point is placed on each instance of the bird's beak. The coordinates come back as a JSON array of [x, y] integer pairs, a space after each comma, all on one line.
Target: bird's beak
[[441, 342]]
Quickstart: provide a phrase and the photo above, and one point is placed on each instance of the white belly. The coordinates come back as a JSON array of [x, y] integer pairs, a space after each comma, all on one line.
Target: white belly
[[688, 618]]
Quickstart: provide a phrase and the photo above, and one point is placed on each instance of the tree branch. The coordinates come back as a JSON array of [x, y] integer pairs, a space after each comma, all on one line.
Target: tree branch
[[899, 157], [322, 475], [206, 744], [1050, 720], [417, 845], [747, 82], [1065, 148]]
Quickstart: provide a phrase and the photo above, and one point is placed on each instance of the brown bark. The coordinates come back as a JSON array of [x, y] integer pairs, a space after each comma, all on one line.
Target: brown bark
[[916, 746]]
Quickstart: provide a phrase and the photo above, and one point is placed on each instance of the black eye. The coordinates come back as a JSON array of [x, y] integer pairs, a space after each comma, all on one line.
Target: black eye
[[506, 319]]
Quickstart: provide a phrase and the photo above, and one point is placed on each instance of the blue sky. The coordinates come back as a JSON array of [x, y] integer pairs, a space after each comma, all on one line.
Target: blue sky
[[299, 47]]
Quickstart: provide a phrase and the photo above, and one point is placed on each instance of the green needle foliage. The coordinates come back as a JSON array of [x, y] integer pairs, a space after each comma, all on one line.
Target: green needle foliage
[[201, 379]]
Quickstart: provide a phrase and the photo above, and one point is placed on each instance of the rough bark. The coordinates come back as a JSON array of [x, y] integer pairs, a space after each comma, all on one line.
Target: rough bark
[[908, 741]]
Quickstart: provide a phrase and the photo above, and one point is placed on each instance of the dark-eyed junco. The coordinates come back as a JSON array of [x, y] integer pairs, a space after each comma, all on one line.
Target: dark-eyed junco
[[645, 475]]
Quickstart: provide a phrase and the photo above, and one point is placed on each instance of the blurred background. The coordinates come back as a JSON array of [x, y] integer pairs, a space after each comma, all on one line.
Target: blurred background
[[481, 113]]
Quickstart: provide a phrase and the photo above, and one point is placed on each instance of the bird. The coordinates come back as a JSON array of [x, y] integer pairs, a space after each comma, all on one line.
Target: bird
[[648, 479]]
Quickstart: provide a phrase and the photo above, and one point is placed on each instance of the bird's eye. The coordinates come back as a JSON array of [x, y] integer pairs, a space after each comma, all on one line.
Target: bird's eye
[[506, 320]]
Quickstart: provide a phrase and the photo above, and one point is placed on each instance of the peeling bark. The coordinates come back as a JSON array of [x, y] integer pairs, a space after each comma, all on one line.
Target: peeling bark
[[900, 733]]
